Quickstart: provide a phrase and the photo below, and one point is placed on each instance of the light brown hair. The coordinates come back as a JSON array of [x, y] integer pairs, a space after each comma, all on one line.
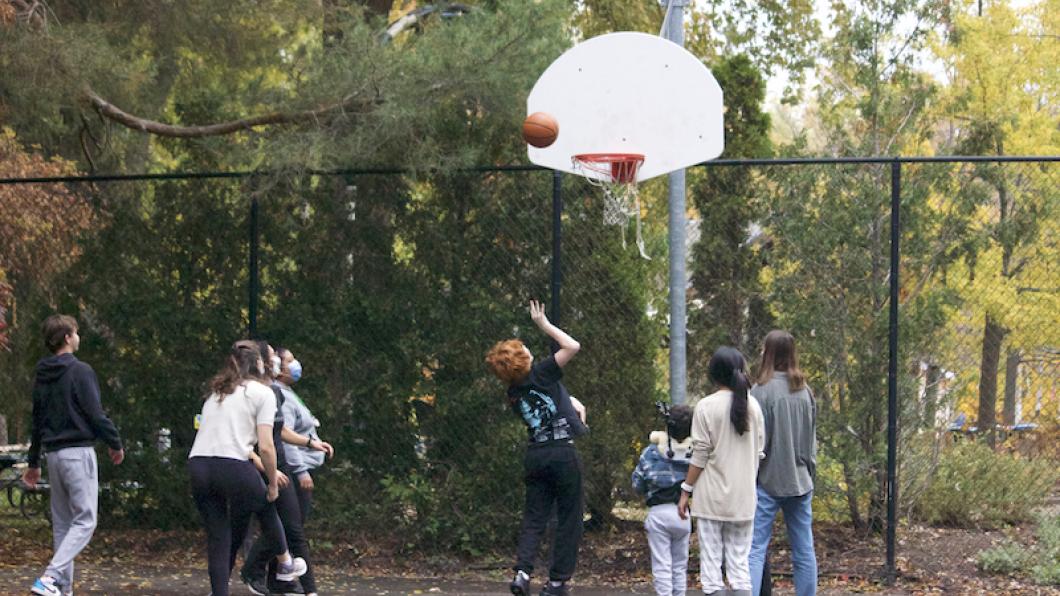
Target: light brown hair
[[509, 360], [56, 328], [241, 365], [779, 355]]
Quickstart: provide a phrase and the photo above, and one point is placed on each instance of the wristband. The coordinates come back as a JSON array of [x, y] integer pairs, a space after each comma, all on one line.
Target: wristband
[[686, 487], [309, 443]]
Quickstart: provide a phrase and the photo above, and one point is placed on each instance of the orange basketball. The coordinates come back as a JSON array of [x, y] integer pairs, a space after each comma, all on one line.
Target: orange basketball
[[540, 129]]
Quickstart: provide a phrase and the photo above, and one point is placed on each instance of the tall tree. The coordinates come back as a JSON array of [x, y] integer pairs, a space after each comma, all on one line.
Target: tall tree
[[828, 274], [1002, 100], [726, 296], [42, 227]]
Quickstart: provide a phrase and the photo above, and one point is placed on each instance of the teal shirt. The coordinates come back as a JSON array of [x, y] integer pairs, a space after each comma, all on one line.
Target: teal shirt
[[790, 465]]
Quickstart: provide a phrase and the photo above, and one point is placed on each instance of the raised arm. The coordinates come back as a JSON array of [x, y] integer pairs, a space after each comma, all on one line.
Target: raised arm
[[568, 346]]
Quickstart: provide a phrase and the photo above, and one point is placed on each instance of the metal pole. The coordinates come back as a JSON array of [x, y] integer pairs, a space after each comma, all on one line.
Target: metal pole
[[557, 243], [252, 328], [892, 375], [675, 32]]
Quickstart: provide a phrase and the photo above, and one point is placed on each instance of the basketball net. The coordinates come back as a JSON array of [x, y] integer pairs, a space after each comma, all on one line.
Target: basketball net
[[619, 183]]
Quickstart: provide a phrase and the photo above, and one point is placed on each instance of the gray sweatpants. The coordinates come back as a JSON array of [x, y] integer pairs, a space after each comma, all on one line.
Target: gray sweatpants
[[668, 539], [73, 476]]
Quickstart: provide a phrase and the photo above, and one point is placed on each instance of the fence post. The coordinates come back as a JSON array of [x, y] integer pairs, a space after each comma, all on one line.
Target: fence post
[[254, 289], [557, 243], [891, 572]]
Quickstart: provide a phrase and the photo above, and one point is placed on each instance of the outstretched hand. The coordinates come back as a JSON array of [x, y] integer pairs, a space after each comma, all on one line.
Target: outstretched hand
[[537, 313]]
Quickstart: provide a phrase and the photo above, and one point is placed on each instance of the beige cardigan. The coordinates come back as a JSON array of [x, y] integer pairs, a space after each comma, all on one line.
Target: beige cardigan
[[725, 490]]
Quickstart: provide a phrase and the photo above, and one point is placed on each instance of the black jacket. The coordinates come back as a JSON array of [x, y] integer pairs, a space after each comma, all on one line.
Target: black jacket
[[66, 408]]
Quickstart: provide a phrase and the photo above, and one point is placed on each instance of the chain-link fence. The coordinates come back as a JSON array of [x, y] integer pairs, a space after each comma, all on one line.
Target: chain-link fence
[[390, 287]]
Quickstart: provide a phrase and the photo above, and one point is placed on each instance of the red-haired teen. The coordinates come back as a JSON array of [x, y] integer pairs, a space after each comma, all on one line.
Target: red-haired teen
[[553, 471]]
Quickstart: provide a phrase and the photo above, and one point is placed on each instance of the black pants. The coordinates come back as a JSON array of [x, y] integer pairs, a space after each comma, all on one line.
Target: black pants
[[553, 477], [227, 492], [259, 562], [305, 499]]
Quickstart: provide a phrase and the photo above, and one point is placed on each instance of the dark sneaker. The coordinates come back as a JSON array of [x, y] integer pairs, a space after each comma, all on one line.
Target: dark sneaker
[[285, 589], [550, 590], [291, 588], [255, 585], [520, 585]]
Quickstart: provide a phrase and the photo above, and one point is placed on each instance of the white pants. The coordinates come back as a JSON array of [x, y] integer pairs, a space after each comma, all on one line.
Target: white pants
[[668, 538], [728, 542]]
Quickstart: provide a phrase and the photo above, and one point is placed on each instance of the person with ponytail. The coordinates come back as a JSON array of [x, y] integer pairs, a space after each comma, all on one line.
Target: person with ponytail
[[727, 443], [785, 478], [238, 415], [259, 568]]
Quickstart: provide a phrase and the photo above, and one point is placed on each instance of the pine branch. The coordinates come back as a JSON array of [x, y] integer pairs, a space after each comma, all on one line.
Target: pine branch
[[116, 114]]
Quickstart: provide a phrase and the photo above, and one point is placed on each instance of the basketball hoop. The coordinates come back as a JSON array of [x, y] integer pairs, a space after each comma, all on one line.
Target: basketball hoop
[[616, 173]]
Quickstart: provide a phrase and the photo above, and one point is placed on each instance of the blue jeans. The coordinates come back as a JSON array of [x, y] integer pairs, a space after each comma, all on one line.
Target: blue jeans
[[798, 517]]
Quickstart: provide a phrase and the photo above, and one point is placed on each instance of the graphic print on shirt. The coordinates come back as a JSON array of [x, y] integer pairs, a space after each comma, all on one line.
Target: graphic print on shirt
[[537, 410]]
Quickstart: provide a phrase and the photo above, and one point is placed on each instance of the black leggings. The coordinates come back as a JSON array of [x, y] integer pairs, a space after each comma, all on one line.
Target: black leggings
[[259, 561], [553, 477], [227, 492], [305, 499]]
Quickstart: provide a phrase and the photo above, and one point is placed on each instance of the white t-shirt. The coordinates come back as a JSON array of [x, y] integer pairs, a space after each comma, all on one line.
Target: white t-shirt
[[229, 427]]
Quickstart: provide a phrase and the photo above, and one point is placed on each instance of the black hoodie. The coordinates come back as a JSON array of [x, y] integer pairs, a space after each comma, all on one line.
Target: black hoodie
[[66, 408]]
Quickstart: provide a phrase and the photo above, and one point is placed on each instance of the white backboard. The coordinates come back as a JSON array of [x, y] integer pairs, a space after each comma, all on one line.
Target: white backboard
[[630, 92]]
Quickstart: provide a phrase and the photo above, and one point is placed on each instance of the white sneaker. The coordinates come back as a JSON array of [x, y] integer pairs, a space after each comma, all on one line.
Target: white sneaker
[[45, 586], [288, 572]]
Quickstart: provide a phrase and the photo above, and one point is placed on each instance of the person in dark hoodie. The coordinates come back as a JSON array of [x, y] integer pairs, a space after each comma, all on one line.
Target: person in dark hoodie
[[68, 419]]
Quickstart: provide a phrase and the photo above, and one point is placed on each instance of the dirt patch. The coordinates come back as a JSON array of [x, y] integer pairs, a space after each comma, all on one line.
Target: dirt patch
[[930, 560]]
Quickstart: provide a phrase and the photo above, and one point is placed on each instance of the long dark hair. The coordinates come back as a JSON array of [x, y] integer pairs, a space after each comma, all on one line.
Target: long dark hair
[[779, 354], [241, 365], [728, 368]]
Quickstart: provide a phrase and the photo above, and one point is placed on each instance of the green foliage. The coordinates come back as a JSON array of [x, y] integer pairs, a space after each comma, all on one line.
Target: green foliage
[[1041, 560], [1004, 559], [726, 300], [974, 486]]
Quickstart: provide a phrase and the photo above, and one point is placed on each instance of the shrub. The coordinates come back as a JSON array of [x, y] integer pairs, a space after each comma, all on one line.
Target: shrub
[[974, 486], [1041, 561], [1005, 558]]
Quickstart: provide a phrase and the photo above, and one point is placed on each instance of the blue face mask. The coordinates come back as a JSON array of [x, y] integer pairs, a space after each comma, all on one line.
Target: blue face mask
[[295, 368]]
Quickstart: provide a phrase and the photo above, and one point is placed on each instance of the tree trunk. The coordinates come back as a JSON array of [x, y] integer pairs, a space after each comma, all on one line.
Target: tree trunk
[[1012, 371], [931, 396], [878, 500], [852, 498], [993, 335]]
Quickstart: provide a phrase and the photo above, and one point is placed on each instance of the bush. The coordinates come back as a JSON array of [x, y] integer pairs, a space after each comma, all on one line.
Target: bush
[[1005, 558], [1041, 561], [974, 486], [1047, 570]]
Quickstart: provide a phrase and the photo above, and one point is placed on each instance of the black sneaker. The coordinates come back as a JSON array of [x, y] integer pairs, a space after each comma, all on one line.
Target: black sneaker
[[254, 584], [550, 590], [520, 585], [292, 588]]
